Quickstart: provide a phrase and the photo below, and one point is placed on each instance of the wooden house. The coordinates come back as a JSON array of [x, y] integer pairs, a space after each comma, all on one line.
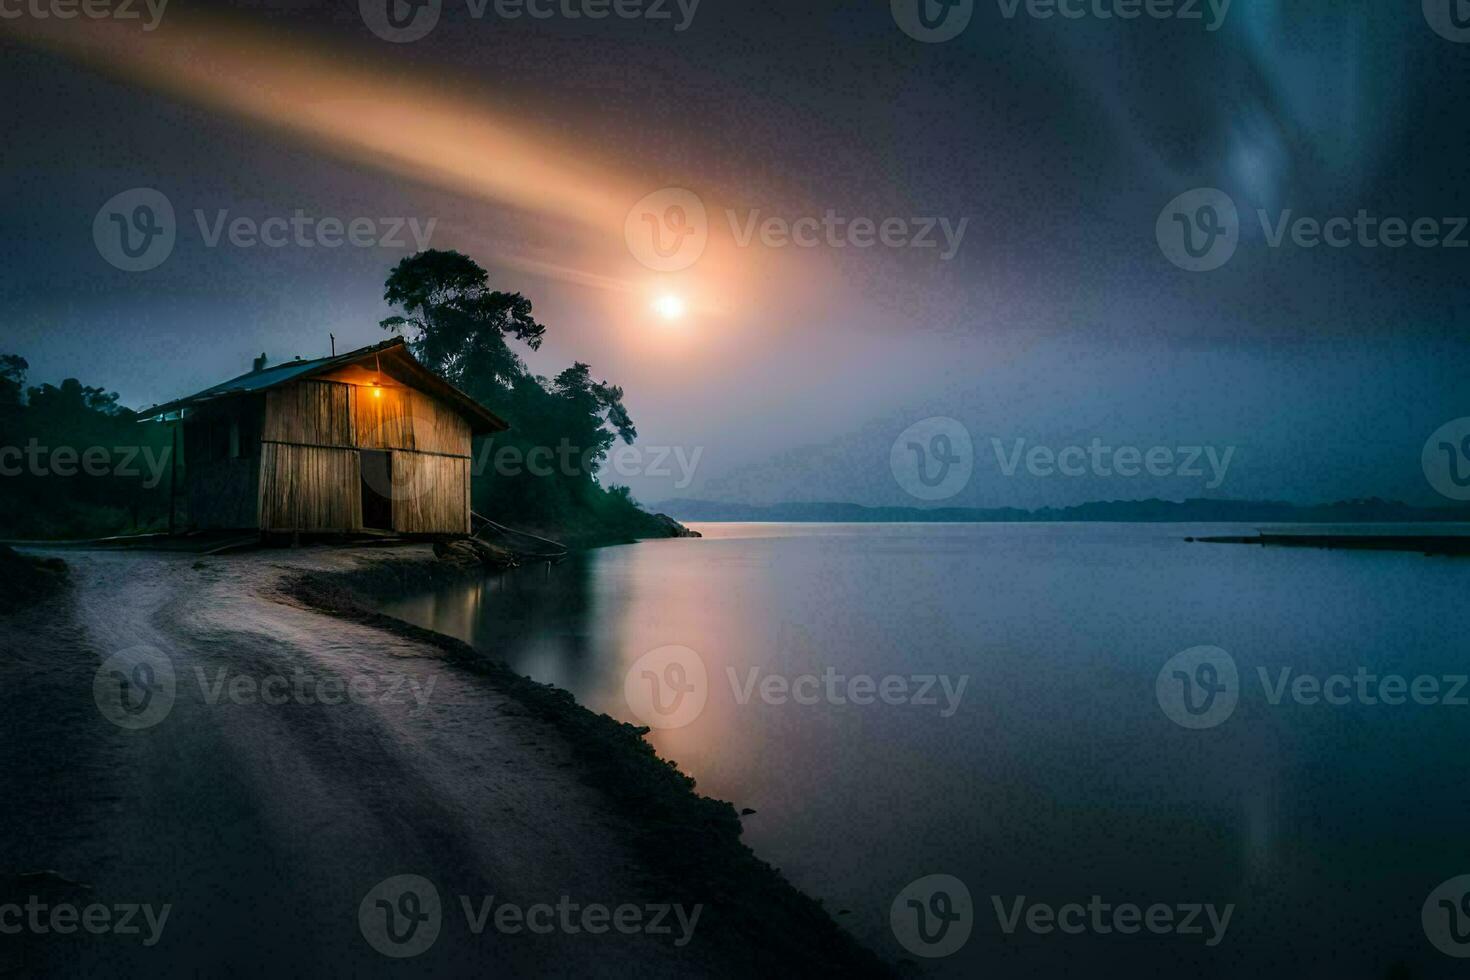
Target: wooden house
[[368, 441]]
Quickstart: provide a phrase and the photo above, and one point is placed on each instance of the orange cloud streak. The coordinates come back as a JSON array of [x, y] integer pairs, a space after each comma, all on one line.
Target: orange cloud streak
[[408, 127]]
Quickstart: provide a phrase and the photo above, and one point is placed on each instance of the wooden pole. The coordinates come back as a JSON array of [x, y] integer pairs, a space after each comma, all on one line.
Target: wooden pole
[[173, 473]]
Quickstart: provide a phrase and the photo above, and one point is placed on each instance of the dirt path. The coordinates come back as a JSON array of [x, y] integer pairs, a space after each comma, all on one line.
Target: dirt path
[[263, 825]]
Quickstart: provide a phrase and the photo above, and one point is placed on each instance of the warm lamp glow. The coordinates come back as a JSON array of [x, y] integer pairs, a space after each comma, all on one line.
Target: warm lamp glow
[[669, 307], [377, 392]]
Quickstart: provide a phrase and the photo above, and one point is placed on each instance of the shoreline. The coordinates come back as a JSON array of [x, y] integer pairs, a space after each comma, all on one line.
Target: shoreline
[[495, 785], [1433, 545], [690, 843]]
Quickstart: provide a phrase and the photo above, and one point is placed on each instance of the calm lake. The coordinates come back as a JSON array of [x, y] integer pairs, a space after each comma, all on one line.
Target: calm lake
[[1054, 774]]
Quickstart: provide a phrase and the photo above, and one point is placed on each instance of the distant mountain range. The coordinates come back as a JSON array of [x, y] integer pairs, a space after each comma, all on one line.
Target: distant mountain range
[[1195, 511]]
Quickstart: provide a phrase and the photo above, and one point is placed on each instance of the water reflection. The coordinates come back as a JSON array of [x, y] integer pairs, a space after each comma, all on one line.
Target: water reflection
[[1059, 777]]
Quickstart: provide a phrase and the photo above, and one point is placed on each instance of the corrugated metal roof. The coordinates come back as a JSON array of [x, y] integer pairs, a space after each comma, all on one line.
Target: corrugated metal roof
[[270, 377], [260, 380]]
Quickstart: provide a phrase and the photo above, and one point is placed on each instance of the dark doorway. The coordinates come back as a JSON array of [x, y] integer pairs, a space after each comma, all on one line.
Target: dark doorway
[[377, 486]]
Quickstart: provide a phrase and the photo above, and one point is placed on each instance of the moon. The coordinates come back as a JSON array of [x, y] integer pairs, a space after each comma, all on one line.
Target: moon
[[669, 306]]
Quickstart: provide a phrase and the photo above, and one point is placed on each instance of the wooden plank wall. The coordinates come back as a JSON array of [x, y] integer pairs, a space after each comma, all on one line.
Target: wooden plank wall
[[403, 418], [310, 413], [309, 488], [430, 444], [431, 494]]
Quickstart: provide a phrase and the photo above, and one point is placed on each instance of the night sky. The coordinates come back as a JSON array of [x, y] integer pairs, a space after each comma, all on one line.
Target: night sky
[[1058, 142]]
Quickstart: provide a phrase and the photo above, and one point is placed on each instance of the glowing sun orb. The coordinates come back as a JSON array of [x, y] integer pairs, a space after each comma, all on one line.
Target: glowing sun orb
[[669, 307]]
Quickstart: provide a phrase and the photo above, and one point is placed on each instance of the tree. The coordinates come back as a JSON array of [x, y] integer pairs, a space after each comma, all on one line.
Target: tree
[[73, 400], [459, 327], [586, 405], [13, 370], [455, 323]]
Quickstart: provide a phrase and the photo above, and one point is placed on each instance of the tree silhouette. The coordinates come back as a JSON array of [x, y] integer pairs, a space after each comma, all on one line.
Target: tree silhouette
[[461, 328]]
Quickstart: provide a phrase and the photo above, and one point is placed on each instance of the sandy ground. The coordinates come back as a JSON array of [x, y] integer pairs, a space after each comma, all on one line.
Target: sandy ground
[[264, 826]]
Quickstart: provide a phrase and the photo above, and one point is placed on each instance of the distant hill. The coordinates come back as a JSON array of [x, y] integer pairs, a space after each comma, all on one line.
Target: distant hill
[[1195, 511]]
